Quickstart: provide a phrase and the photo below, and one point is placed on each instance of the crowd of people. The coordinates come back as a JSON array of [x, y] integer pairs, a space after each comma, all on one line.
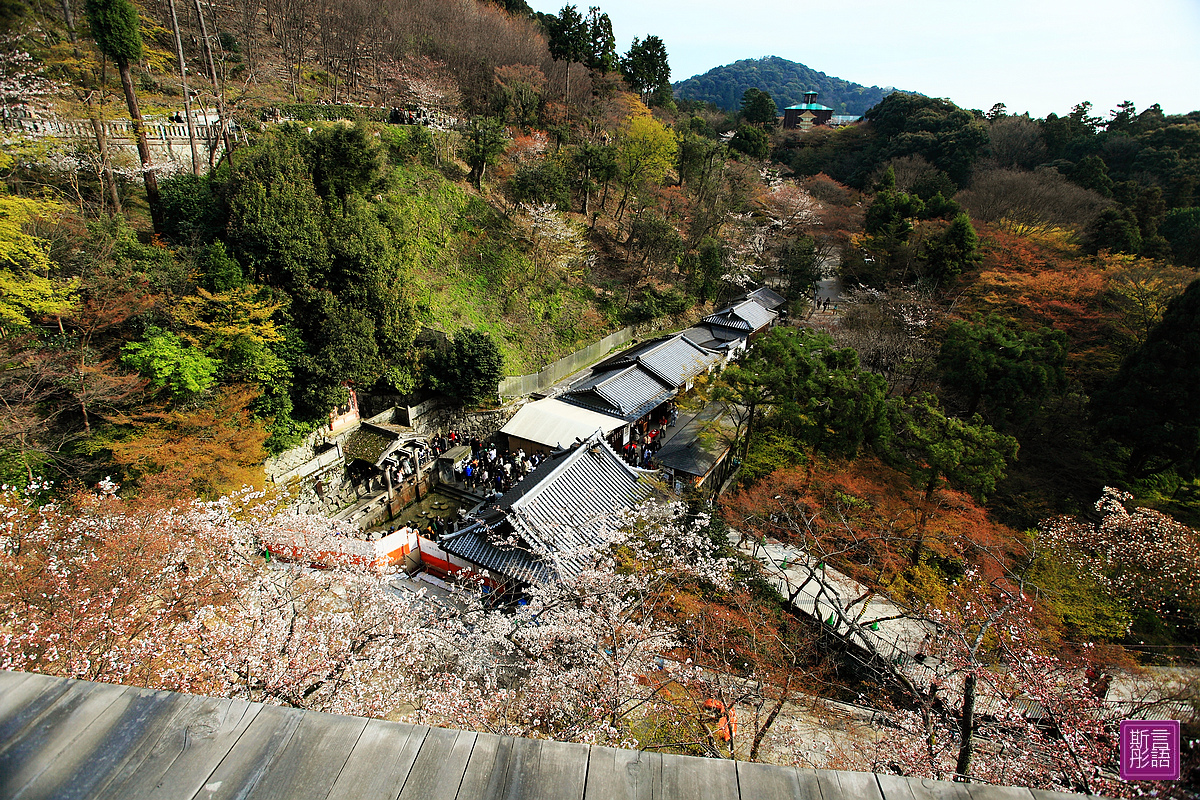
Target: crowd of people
[[641, 448], [494, 470]]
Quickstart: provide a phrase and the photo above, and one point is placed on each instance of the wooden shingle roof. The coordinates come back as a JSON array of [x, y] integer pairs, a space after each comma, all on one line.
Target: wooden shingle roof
[[67, 738]]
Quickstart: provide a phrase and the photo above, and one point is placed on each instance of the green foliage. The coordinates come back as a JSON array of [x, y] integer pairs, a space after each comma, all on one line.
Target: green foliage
[[219, 271], [590, 166], [646, 151], [155, 265], [1181, 227], [991, 360], [655, 304], [1092, 173], [540, 182], [275, 212], [601, 54], [163, 358], [645, 67], [342, 161], [892, 211], [757, 107], [483, 142], [945, 135], [410, 143], [1115, 230], [471, 369], [818, 392], [704, 267], [1071, 136], [800, 265], [401, 379], [954, 251], [770, 452], [341, 350], [27, 288], [655, 238], [784, 80], [191, 213], [752, 141], [366, 269], [941, 207], [1152, 405], [116, 29], [568, 35], [969, 454], [1086, 610]]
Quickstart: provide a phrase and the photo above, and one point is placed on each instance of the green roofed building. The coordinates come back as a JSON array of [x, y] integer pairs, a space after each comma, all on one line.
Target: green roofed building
[[804, 115]]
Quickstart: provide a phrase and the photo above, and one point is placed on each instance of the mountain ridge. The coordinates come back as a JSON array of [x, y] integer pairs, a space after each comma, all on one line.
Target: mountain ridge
[[785, 80]]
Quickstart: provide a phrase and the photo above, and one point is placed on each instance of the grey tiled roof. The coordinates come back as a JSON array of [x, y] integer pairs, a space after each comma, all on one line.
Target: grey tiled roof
[[629, 393], [485, 546], [747, 315], [675, 358], [766, 297], [678, 360], [558, 515], [697, 446], [713, 337], [631, 383]]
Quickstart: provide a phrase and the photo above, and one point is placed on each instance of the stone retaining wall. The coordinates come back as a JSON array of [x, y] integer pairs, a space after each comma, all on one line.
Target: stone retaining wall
[[469, 424]]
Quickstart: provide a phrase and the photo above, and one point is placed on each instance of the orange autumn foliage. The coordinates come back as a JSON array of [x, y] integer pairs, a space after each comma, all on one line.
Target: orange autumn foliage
[[1041, 282], [862, 517], [209, 451]]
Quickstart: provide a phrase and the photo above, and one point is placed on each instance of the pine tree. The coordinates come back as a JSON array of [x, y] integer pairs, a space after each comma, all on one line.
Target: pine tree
[[1152, 405], [115, 27]]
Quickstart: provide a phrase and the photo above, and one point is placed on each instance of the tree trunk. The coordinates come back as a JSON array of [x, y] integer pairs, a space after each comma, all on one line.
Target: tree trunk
[[97, 121], [567, 90], [187, 101], [930, 741], [749, 428], [766, 726], [139, 128], [217, 92], [966, 731], [69, 19], [923, 520]]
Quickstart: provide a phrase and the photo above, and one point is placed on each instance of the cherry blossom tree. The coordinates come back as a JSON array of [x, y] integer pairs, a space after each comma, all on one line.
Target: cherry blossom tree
[[1142, 556], [185, 595], [974, 685]]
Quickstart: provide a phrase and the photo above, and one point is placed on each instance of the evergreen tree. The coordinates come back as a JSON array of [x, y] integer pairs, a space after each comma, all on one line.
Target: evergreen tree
[[1152, 405], [758, 108], [484, 141], [568, 40], [988, 360], [645, 66], [602, 45], [115, 28], [955, 250], [471, 369], [966, 453]]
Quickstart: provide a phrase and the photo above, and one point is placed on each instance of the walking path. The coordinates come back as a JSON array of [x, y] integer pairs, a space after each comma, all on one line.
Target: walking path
[[848, 608]]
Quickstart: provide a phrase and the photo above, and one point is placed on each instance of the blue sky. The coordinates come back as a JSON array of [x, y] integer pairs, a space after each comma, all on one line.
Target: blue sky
[[1032, 55]]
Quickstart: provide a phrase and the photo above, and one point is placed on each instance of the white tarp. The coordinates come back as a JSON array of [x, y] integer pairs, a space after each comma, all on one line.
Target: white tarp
[[552, 423]]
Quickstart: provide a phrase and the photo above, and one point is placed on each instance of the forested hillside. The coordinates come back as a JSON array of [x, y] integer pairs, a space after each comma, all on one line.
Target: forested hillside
[[786, 81]]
